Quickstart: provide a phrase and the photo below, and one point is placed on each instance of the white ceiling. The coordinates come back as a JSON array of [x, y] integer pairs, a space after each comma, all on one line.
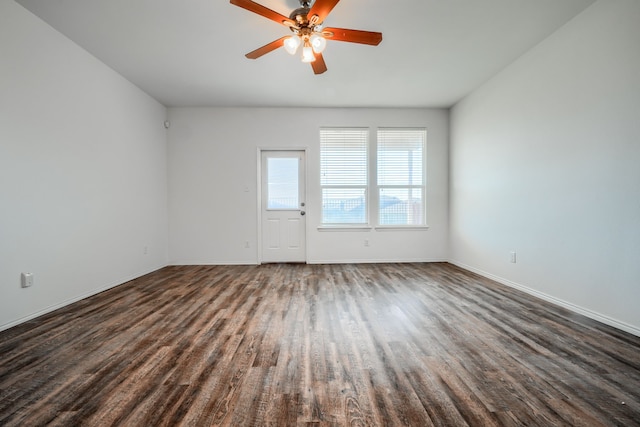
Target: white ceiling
[[191, 52]]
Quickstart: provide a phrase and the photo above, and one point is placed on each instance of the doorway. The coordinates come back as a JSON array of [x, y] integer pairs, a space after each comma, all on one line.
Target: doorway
[[283, 211]]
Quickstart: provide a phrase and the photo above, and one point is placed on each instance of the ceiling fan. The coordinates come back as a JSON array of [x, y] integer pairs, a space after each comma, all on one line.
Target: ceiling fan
[[306, 24]]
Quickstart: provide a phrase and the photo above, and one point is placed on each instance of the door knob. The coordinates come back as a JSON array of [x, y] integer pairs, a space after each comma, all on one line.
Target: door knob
[[303, 213]]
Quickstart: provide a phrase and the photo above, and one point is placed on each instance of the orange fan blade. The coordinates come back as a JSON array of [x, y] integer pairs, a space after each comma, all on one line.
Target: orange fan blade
[[353, 36], [322, 8], [263, 11], [266, 48], [318, 65]]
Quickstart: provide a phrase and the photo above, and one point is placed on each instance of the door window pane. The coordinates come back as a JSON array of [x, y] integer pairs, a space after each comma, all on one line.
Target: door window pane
[[282, 183]]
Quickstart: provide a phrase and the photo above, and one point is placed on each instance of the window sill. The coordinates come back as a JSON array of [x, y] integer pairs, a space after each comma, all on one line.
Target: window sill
[[376, 228], [344, 228], [401, 228]]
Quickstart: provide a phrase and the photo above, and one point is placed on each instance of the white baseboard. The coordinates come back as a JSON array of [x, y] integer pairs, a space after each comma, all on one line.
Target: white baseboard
[[316, 261], [75, 299], [212, 263], [569, 306], [375, 261]]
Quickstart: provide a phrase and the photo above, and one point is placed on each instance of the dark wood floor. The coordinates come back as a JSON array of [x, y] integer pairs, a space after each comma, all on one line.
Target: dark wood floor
[[352, 345]]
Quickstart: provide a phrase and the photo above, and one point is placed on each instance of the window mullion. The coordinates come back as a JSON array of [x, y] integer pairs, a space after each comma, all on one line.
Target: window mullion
[[373, 178]]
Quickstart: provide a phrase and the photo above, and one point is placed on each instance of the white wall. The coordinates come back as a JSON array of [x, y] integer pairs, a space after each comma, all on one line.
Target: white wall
[[82, 171], [545, 160], [213, 157]]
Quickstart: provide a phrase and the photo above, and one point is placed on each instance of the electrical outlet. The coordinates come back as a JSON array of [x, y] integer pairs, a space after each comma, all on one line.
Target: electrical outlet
[[366, 242], [512, 257], [145, 250], [26, 280]]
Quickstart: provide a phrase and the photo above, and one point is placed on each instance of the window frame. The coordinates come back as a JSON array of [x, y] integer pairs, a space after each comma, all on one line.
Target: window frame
[[376, 186], [366, 132]]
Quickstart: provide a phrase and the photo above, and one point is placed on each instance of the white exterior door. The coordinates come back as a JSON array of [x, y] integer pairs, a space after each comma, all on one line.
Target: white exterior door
[[283, 219]]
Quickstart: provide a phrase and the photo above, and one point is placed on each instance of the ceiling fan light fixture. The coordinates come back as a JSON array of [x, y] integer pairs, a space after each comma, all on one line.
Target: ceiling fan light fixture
[[291, 44], [307, 25], [307, 53], [318, 43]]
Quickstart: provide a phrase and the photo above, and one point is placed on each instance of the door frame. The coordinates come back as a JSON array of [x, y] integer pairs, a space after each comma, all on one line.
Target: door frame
[[260, 150]]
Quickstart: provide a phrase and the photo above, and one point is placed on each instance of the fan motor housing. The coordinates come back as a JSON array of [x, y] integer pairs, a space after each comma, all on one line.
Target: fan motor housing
[[300, 15]]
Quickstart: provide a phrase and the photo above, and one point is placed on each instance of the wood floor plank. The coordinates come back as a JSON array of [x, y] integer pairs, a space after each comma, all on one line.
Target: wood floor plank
[[317, 345]]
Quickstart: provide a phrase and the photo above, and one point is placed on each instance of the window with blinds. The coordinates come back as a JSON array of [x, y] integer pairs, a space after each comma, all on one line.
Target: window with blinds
[[344, 175], [396, 177], [400, 176]]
